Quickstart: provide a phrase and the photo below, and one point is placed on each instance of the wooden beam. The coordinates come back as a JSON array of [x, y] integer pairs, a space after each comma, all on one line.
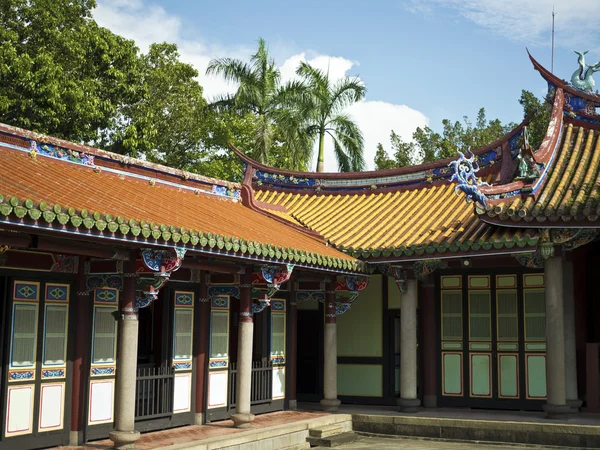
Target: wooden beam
[[212, 266], [63, 246]]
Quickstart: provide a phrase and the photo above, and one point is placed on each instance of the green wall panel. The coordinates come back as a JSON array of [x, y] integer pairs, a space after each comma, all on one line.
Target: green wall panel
[[508, 375], [393, 294], [536, 375], [480, 375], [359, 330], [360, 380], [452, 374]]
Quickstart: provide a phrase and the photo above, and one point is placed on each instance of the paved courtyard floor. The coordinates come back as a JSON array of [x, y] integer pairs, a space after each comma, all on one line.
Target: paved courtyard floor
[[384, 443]]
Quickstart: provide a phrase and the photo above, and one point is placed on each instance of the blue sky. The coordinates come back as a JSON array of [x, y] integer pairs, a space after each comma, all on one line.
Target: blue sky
[[421, 60]]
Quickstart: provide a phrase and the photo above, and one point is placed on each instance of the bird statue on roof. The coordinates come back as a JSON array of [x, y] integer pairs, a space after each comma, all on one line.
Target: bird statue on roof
[[582, 77]]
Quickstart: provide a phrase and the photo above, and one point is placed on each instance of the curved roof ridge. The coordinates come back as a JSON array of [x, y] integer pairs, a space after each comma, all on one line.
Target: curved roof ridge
[[377, 173]]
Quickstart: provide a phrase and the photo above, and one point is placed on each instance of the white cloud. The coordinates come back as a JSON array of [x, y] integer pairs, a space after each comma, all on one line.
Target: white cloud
[[376, 119], [527, 21], [146, 23]]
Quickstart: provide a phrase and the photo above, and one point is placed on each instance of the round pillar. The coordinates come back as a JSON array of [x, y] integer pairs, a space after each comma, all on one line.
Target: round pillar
[[556, 406], [408, 401], [573, 400], [124, 434], [330, 401], [243, 417]]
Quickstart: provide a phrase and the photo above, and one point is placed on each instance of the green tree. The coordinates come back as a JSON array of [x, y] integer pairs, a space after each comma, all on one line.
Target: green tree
[[262, 94], [322, 104], [167, 123], [540, 117], [60, 73], [404, 154], [382, 159]]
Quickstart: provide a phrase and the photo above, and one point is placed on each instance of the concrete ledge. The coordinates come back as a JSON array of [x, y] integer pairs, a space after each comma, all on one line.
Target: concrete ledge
[[534, 433], [270, 438]]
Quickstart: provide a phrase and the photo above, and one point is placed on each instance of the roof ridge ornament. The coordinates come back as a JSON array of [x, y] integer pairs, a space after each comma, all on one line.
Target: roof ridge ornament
[[464, 174], [582, 77]]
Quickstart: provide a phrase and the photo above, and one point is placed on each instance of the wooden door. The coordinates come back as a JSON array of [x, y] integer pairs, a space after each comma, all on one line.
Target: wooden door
[[36, 389], [492, 341]]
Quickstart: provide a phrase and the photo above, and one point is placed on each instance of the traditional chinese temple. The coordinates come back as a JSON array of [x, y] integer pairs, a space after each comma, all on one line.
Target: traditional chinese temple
[[136, 297]]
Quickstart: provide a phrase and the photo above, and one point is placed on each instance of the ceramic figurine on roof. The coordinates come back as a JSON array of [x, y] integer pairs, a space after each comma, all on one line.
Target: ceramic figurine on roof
[[582, 77], [526, 165], [464, 174]]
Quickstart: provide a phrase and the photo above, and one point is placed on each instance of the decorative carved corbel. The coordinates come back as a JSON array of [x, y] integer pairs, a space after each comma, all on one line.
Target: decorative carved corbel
[[397, 273], [162, 263], [422, 269]]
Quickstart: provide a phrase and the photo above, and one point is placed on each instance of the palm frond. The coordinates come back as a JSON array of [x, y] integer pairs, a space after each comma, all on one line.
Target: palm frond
[[351, 139], [344, 164]]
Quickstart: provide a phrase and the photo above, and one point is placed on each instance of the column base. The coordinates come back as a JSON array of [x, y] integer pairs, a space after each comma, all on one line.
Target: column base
[[430, 401], [199, 419], [293, 405], [124, 439], [409, 405], [242, 420], [330, 404], [556, 411], [75, 438], [574, 405]]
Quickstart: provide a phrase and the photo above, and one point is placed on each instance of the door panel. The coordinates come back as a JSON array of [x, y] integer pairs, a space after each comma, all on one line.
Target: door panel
[[36, 358], [492, 341]]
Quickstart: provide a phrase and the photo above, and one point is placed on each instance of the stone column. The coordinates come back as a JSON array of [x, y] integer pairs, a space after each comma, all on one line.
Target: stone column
[[81, 350], [330, 401], [570, 342], [430, 355], [556, 406], [408, 400], [292, 349], [124, 434], [243, 416], [201, 352]]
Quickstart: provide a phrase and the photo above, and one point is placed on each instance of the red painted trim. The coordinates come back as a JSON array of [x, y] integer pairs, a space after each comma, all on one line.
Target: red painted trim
[[292, 350], [92, 400], [548, 76], [543, 155], [489, 355], [10, 391], [83, 314], [60, 425], [202, 346], [252, 164]]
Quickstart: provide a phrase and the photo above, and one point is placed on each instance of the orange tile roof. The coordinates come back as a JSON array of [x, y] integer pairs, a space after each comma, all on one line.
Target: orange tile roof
[[44, 190], [402, 223]]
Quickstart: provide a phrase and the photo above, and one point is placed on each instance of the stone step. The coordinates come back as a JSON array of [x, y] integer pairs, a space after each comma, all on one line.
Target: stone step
[[326, 430], [332, 441], [297, 446]]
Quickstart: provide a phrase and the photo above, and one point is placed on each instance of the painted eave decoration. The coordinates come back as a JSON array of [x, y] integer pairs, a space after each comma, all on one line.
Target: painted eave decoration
[[565, 190]]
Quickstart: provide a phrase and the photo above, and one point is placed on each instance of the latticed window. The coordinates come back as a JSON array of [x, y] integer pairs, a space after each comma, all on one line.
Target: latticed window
[[480, 316], [507, 315], [105, 333], [277, 334], [535, 315], [55, 335], [452, 315], [219, 342], [183, 333], [24, 335]]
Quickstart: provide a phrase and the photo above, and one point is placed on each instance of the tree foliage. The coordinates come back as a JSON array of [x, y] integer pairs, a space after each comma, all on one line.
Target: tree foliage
[[276, 125], [60, 73], [404, 154]]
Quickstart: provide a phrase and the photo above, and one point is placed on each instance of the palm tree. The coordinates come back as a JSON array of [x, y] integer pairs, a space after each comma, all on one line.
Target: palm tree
[[322, 103], [260, 92]]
